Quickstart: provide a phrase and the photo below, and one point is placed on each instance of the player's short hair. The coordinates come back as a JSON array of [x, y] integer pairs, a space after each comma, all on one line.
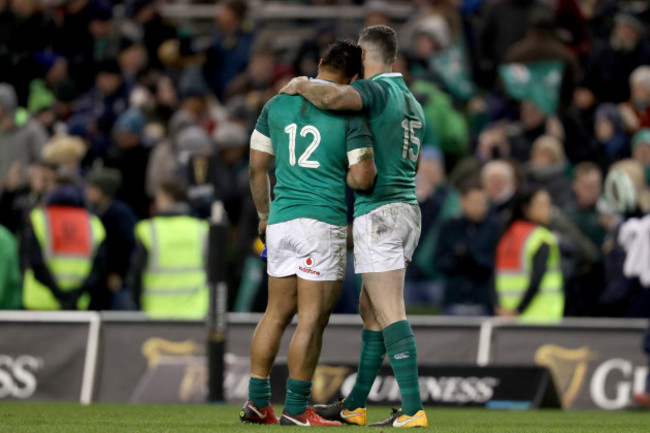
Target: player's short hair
[[343, 56], [380, 42]]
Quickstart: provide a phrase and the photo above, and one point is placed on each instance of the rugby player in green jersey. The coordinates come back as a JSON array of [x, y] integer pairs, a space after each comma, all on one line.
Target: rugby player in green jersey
[[315, 152], [386, 225]]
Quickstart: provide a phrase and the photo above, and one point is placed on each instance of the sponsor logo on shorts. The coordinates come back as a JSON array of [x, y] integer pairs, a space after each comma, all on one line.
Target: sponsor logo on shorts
[[309, 271], [310, 262]]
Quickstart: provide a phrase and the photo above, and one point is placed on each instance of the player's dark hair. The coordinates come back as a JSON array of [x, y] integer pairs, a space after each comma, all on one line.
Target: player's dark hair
[[383, 38], [343, 56]]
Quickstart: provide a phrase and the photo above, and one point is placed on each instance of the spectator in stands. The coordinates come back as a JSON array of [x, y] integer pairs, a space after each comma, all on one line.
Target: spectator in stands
[[119, 222], [499, 183], [636, 111], [104, 102], [74, 40], [542, 44], [548, 169], [504, 23], [641, 152], [10, 290], [231, 46], [197, 105], [20, 143], [130, 155], [64, 251], [587, 189], [438, 203], [624, 295], [168, 274], [588, 274], [528, 276], [465, 255], [610, 64], [612, 142], [151, 26]]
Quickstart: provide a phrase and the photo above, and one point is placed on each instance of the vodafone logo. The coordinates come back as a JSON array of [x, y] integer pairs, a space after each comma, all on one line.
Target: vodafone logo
[[309, 262]]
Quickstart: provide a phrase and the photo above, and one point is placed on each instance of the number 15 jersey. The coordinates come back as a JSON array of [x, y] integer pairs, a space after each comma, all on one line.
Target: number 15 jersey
[[397, 126], [313, 149]]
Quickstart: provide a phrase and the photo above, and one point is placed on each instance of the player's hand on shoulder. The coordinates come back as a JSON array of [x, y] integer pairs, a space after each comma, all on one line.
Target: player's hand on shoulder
[[291, 88]]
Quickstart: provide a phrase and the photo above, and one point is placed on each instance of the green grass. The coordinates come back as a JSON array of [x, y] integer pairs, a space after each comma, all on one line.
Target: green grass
[[27, 417]]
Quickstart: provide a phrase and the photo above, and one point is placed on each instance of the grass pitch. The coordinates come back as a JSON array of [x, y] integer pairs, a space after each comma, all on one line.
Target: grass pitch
[[28, 417]]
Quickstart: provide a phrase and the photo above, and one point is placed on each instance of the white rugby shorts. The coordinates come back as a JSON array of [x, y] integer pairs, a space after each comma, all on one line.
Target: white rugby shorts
[[385, 238], [310, 249]]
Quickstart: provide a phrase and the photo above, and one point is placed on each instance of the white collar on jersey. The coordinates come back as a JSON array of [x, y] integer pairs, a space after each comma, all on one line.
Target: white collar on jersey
[[387, 74]]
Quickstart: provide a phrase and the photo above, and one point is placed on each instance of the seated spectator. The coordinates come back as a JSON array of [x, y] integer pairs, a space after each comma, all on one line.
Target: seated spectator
[[10, 290], [528, 276], [168, 275], [547, 169], [119, 222], [465, 255], [641, 151], [498, 180], [636, 111], [611, 140], [64, 251]]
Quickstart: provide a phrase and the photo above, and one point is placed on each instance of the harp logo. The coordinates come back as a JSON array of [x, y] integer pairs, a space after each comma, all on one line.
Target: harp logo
[[568, 367]]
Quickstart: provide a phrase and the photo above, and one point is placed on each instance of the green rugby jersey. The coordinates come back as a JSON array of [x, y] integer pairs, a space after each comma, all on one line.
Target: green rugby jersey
[[397, 126], [311, 158]]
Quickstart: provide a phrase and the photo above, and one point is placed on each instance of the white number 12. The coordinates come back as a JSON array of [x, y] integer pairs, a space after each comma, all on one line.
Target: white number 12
[[303, 161]]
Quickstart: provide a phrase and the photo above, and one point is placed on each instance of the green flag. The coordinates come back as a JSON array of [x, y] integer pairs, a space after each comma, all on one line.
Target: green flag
[[538, 82], [452, 69]]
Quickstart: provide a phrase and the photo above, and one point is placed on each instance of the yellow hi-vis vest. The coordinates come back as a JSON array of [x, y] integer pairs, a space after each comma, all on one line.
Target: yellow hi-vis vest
[[69, 238], [514, 264], [174, 284]]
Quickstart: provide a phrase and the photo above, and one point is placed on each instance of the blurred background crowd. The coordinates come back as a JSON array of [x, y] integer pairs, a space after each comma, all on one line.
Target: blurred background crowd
[[117, 116]]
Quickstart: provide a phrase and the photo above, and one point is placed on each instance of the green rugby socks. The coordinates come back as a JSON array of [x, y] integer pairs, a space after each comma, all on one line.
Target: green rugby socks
[[298, 393], [259, 391], [372, 355], [400, 346]]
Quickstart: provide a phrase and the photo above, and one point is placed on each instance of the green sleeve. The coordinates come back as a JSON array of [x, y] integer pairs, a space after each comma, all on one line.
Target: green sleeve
[[262, 125], [374, 96], [358, 133]]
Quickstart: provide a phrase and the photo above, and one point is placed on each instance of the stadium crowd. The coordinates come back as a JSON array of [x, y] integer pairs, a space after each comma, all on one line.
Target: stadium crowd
[[113, 116]]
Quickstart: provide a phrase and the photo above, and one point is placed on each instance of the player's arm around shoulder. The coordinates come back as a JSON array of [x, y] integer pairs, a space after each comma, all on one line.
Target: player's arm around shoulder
[[326, 96]]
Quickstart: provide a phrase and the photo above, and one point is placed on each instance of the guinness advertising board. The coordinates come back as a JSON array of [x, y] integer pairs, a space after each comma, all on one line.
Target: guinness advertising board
[[42, 356], [594, 367]]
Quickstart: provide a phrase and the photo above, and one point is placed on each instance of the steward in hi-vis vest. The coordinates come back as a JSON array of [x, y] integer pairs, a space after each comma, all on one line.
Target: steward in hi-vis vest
[[169, 274], [534, 289], [64, 259]]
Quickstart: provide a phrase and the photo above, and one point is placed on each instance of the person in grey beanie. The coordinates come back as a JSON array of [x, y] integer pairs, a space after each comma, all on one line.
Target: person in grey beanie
[[20, 144]]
